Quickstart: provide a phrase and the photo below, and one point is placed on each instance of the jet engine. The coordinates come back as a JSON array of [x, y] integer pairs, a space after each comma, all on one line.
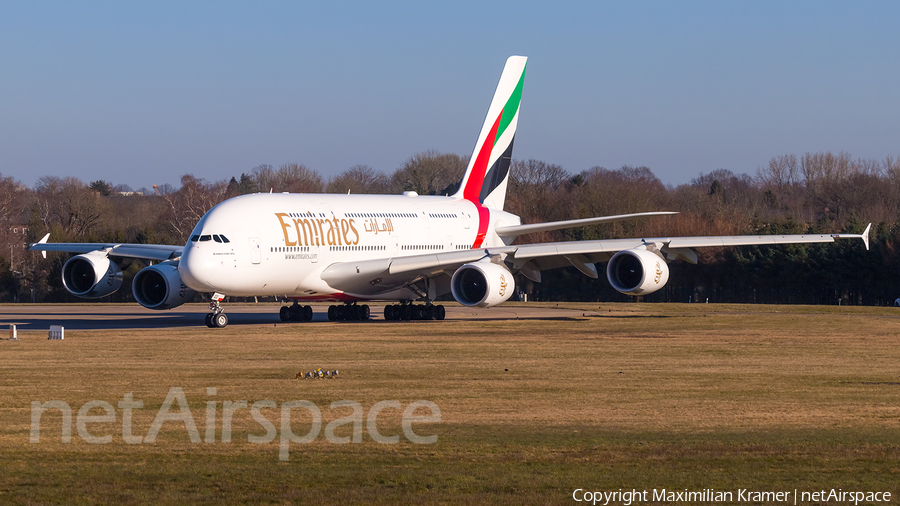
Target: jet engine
[[160, 287], [482, 284], [91, 275], [637, 272]]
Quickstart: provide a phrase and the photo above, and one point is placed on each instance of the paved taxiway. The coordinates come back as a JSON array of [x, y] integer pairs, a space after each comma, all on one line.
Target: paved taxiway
[[132, 316]]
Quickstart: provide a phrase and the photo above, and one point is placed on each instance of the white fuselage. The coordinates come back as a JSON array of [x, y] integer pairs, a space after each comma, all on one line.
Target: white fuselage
[[279, 244]]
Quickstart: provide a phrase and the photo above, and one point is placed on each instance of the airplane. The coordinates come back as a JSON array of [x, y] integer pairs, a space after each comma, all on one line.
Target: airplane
[[351, 249]]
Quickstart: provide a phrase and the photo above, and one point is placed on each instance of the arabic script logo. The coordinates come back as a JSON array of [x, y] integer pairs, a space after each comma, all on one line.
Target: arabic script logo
[[503, 285], [658, 273]]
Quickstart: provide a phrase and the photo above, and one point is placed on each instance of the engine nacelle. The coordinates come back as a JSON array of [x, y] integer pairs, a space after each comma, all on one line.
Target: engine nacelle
[[160, 287], [637, 272], [91, 275], [482, 284]]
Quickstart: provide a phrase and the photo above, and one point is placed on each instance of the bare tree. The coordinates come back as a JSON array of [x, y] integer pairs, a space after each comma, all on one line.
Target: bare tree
[[430, 173], [603, 192], [292, 177], [359, 179], [187, 205], [537, 192], [11, 201], [823, 168], [76, 209], [263, 177], [782, 171]]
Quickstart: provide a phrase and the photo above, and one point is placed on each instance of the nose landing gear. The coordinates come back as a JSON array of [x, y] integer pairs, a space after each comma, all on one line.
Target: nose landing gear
[[217, 318]]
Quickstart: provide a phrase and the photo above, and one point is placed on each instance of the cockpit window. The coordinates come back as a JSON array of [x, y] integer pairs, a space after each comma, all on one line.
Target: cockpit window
[[209, 237]]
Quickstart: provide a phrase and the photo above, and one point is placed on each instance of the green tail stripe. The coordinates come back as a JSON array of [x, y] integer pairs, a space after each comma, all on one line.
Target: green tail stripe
[[511, 107]]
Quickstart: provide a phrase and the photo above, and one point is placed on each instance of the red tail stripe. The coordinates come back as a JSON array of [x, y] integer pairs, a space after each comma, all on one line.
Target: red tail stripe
[[484, 218], [472, 190], [476, 177]]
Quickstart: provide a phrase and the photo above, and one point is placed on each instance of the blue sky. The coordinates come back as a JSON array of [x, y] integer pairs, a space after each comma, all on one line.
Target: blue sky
[[141, 93]]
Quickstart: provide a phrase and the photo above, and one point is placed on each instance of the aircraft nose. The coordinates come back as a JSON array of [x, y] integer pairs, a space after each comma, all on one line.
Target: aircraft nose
[[197, 268]]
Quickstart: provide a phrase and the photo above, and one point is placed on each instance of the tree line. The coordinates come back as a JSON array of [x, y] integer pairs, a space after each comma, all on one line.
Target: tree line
[[813, 193]]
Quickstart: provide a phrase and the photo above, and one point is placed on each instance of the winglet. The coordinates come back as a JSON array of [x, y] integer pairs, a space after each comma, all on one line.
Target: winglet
[[864, 236], [42, 241]]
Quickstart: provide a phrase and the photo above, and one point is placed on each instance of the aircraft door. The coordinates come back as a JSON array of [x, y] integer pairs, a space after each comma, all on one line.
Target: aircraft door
[[424, 216], [255, 250]]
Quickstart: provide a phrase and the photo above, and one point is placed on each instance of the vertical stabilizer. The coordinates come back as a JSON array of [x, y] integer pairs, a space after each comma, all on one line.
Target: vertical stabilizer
[[488, 171]]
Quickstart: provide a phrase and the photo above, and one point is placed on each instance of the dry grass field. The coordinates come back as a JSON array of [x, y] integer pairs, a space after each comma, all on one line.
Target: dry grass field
[[627, 396]]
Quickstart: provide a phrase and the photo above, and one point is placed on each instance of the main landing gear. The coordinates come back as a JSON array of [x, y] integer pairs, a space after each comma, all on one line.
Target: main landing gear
[[296, 313], [352, 312], [414, 312], [348, 312], [217, 318]]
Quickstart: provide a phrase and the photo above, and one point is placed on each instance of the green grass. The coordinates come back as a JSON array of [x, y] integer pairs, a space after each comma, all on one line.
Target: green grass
[[628, 396]]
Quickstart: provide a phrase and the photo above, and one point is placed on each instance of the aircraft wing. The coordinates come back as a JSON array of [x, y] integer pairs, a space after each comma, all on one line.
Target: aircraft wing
[[517, 230], [386, 274], [380, 275], [158, 252], [530, 259]]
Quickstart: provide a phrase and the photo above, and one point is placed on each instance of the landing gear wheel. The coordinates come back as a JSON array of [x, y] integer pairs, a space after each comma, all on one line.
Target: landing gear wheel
[[307, 313], [388, 312], [345, 313], [208, 320], [284, 313], [220, 320], [439, 313]]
